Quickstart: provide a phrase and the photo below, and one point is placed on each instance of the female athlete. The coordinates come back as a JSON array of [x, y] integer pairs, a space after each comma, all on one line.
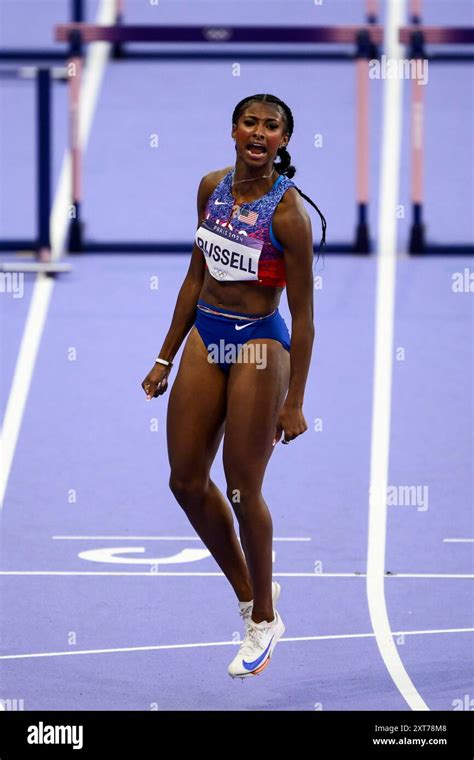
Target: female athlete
[[240, 373]]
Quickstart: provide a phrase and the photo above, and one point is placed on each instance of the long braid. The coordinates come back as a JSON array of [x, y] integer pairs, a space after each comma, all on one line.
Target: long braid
[[283, 166]]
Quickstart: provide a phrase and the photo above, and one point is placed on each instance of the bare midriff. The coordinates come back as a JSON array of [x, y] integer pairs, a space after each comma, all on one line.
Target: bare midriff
[[257, 300]]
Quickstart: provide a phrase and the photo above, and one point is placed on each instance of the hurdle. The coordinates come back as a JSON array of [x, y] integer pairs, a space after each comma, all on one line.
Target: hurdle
[[41, 244], [364, 40], [366, 51], [416, 37], [43, 71]]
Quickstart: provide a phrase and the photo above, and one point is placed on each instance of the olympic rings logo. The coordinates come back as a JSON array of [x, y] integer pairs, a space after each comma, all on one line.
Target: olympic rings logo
[[217, 34]]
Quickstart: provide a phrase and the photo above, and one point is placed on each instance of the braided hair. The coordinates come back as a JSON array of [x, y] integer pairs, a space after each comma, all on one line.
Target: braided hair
[[283, 166]]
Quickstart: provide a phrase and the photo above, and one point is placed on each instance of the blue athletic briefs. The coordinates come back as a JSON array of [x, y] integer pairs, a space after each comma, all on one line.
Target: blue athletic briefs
[[225, 335]]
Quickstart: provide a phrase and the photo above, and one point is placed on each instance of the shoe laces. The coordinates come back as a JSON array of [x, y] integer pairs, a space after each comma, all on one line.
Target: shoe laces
[[246, 612], [253, 637]]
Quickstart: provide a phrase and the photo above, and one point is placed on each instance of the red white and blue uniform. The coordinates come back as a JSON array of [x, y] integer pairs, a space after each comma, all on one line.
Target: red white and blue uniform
[[239, 245]]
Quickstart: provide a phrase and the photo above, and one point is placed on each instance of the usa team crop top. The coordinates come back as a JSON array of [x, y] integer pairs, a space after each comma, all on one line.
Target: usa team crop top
[[238, 242]]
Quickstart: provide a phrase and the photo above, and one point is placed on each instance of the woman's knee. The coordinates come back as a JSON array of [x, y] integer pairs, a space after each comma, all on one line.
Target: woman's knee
[[187, 490], [243, 498]]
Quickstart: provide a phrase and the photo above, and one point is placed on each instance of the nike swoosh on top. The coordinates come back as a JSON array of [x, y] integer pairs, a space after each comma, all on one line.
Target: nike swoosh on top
[[219, 203], [256, 663], [241, 327]]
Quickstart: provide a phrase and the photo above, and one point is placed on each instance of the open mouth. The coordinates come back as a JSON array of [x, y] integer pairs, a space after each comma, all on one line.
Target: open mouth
[[256, 150]]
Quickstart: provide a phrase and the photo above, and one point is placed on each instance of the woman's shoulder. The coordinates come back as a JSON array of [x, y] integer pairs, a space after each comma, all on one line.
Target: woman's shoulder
[[211, 180], [289, 213], [208, 184], [291, 201]]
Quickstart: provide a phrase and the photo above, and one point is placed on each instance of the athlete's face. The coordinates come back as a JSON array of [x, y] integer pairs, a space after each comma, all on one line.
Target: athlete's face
[[263, 125]]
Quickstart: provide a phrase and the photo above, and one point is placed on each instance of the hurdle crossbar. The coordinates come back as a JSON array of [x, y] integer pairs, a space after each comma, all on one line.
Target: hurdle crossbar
[[217, 34]]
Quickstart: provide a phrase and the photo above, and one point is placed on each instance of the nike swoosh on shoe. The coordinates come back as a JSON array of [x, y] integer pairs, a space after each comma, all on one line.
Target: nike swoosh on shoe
[[256, 663]]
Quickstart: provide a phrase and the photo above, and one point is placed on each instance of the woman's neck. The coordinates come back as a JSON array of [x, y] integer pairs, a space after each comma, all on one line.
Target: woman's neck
[[244, 187]]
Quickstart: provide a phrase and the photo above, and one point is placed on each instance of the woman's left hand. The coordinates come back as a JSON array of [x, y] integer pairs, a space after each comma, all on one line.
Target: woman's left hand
[[291, 422]]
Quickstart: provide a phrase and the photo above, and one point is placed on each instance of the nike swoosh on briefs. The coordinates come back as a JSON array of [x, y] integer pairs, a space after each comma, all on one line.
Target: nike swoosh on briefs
[[241, 327]]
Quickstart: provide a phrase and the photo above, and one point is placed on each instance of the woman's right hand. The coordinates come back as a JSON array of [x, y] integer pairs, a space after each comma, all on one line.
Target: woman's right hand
[[156, 382]]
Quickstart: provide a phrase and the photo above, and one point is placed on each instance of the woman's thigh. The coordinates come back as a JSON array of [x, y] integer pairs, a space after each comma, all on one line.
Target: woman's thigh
[[196, 412], [255, 395]]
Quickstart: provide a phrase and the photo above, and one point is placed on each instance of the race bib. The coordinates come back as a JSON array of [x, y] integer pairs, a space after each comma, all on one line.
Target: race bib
[[229, 254]]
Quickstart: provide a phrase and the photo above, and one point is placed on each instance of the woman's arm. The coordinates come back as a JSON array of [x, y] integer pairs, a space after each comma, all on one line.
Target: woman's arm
[[292, 227], [185, 310], [155, 383]]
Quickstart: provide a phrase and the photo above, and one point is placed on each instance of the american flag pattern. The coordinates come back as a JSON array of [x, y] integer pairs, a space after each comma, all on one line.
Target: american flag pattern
[[248, 217]]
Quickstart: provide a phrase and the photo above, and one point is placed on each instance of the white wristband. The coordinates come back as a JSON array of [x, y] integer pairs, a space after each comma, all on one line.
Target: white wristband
[[163, 361]]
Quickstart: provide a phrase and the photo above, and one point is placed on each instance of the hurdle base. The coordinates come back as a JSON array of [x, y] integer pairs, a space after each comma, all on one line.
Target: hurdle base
[[442, 249], [417, 238], [118, 53], [76, 236], [362, 239], [26, 246], [20, 55], [453, 57]]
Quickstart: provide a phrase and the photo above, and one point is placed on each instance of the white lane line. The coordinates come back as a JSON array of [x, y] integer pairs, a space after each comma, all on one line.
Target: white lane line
[[155, 648], [96, 60], [458, 540], [203, 574], [22, 376], [152, 538], [384, 318]]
